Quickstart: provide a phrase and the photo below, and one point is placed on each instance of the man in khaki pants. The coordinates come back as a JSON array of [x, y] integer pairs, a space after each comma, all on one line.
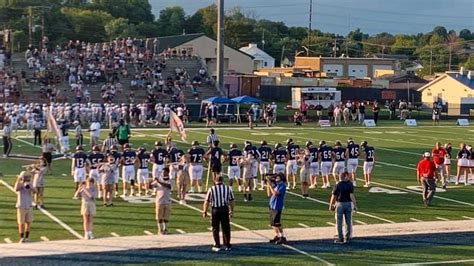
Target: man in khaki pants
[[24, 205]]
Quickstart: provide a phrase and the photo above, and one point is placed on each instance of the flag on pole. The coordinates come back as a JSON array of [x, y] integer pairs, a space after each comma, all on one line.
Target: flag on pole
[[177, 125], [53, 126]]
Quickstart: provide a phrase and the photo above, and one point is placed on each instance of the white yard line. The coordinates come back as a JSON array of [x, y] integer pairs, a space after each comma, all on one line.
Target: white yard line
[[415, 220], [114, 234], [468, 218], [438, 262], [326, 203], [180, 231], [303, 225], [7, 240], [209, 228], [148, 233], [260, 235], [360, 222], [442, 219], [44, 238], [51, 216], [331, 224]]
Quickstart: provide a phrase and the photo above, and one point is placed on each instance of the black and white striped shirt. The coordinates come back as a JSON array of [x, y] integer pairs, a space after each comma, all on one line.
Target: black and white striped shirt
[[211, 138], [109, 142], [219, 195]]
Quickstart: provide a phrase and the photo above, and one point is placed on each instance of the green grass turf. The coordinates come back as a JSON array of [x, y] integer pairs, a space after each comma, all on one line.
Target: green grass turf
[[398, 149]]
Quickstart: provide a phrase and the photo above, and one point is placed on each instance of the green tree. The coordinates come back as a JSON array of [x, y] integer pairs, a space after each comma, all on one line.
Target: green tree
[[466, 34], [88, 25], [171, 21], [404, 44], [120, 28], [135, 11], [147, 29], [469, 64], [207, 17]]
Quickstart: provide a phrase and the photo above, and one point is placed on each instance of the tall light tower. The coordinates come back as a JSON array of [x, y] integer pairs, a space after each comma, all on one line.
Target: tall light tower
[[220, 45]]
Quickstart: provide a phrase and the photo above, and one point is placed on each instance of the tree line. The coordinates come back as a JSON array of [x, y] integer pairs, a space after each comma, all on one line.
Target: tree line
[[101, 20]]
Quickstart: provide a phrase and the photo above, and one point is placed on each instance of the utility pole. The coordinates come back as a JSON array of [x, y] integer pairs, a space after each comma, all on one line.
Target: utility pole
[[335, 48], [30, 25], [431, 61], [220, 45], [263, 40], [42, 32], [310, 25], [450, 56]]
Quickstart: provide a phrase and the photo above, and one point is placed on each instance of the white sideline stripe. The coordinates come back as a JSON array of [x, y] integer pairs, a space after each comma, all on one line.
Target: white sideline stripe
[[416, 192], [47, 213], [8, 240], [115, 234], [360, 222], [438, 262], [467, 217], [26, 142], [410, 164], [246, 229], [44, 238], [209, 228], [326, 203], [331, 224], [416, 220], [303, 225], [148, 233], [442, 219], [180, 231]]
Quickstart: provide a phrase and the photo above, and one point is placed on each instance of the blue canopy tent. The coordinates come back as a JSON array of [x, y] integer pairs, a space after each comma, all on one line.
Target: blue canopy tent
[[217, 100], [243, 100]]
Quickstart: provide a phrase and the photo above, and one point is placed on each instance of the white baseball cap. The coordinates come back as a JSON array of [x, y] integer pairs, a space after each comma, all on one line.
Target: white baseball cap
[[427, 154]]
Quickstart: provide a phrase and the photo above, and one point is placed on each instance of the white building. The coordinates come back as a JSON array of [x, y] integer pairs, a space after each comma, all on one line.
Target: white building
[[260, 58]]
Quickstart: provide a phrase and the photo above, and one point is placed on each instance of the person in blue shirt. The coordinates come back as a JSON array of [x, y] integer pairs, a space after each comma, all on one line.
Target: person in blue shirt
[[276, 190]]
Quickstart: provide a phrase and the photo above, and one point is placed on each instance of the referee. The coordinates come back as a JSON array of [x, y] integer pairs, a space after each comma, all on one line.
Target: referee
[[221, 199], [108, 143], [211, 138], [7, 138]]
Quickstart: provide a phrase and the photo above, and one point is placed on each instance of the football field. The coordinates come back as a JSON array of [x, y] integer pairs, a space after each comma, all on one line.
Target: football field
[[393, 199]]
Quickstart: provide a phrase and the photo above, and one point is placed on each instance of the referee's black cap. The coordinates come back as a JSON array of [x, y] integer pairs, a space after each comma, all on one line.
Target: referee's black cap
[[158, 143], [263, 142]]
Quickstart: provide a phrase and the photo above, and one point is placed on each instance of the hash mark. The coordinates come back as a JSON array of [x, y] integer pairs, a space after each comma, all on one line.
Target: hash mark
[[442, 219], [8, 240], [359, 222], [467, 217], [117, 235], [415, 220], [148, 233], [44, 238], [180, 231], [303, 225], [331, 224]]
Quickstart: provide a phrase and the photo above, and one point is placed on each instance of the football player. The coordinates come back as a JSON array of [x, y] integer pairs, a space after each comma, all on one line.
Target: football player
[[234, 156], [352, 153], [339, 159], [249, 148], [305, 160], [247, 164], [264, 166], [291, 164], [463, 162], [158, 157], [143, 181], [78, 167], [128, 169], [313, 170], [116, 155], [279, 156], [325, 153], [369, 162], [196, 156], [174, 156], [93, 161], [215, 155]]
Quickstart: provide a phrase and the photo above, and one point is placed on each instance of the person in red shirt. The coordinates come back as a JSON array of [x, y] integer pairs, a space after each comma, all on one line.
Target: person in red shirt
[[438, 157], [425, 175]]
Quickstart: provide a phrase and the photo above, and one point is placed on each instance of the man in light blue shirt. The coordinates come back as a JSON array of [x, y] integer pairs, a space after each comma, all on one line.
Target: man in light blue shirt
[[276, 190]]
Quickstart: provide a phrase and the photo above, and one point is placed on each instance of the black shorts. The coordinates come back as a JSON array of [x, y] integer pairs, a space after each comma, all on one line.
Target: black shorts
[[48, 157], [122, 141], [216, 168], [275, 217]]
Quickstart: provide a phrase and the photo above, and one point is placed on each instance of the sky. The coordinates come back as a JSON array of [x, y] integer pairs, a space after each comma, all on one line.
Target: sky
[[342, 16]]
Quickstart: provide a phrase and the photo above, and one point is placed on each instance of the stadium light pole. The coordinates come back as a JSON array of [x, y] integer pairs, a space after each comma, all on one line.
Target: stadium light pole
[[220, 45]]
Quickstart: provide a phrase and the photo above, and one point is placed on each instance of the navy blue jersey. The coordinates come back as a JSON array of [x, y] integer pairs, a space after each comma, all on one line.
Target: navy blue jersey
[[129, 157], [313, 153], [463, 154], [369, 154], [339, 154], [293, 150], [252, 150], [353, 151], [117, 155], [80, 159], [325, 153], [234, 156], [265, 153], [175, 155], [279, 156], [159, 155], [94, 159], [143, 160], [196, 155], [216, 155]]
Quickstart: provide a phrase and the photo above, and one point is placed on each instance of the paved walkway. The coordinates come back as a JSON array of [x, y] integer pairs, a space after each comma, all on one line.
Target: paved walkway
[[238, 237]]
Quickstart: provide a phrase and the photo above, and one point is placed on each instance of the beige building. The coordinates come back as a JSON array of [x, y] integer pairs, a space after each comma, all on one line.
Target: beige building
[[206, 48], [453, 89], [347, 66]]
